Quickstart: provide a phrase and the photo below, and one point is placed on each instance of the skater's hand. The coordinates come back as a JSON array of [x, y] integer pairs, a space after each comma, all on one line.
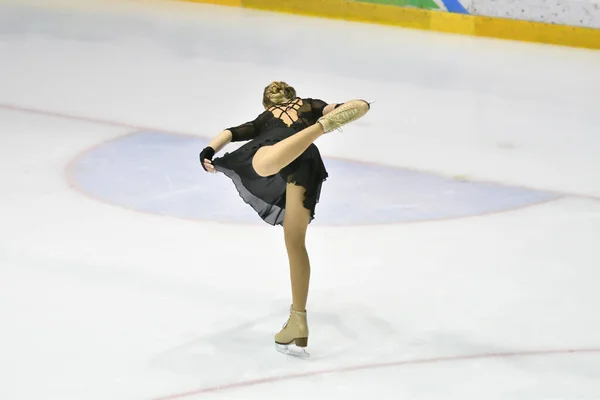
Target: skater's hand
[[206, 159], [208, 166]]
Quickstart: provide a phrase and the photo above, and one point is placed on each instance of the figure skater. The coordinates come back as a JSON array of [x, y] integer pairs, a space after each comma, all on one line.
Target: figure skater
[[279, 173]]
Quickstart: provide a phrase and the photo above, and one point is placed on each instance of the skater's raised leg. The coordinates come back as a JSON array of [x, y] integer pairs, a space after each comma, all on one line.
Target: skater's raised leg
[[269, 160]]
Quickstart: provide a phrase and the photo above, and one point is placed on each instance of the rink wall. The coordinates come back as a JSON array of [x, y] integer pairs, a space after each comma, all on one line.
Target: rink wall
[[559, 22]]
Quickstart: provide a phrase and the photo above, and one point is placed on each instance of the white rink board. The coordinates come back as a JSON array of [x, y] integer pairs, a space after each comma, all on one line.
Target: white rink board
[[584, 13]]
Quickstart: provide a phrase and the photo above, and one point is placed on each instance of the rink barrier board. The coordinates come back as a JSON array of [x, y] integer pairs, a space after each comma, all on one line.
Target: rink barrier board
[[439, 21], [230, 3]]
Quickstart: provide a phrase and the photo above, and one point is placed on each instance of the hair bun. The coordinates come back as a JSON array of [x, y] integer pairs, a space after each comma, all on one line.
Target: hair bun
[[278, 92]]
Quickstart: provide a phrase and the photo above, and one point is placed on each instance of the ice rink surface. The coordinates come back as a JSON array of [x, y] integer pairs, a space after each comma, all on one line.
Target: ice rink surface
[[455, 252]]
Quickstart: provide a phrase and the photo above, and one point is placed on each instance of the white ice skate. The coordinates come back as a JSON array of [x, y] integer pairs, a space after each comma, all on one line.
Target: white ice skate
[[295, 331], [344, 114]]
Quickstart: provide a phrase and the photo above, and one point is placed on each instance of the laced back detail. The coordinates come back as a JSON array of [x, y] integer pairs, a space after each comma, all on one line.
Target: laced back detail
[[298, 113], [288, 113]]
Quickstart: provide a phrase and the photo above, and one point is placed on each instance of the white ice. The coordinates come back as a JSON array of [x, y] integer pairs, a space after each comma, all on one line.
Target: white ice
[[101, 302]]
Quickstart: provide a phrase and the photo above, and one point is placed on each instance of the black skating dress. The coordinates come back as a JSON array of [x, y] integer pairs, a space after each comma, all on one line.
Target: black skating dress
[[266, 195]]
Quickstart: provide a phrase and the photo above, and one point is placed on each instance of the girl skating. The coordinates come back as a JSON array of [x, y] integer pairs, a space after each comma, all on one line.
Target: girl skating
[[279, 173]]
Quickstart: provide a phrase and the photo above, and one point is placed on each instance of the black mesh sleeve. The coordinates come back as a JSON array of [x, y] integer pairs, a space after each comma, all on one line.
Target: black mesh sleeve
[[244, 132], [317, 108]]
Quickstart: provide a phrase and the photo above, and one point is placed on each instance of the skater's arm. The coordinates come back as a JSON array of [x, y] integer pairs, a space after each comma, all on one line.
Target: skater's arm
[[244, 132], [221, 140], [239, 133], [329, 108], [320, 108], [215, 145]]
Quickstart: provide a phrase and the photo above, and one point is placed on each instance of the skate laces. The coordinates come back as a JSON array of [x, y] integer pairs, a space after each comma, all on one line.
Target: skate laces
[[292, 311], [289, 317]]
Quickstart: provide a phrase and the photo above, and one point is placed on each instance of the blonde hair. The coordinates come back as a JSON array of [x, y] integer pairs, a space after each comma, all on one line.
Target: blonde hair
[[278, 93]]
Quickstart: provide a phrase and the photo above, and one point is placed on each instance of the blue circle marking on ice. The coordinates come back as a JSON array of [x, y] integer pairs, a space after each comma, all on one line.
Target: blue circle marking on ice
[[160, 173]]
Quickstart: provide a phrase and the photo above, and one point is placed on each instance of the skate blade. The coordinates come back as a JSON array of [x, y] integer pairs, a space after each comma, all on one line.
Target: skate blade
[[293, 351]]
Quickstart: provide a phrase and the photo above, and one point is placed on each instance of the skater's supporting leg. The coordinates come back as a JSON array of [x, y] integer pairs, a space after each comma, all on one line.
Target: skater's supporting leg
[[295, 224], [269, 160]]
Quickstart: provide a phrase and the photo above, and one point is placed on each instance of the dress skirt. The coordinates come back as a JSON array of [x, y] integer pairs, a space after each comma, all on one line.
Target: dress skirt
[[266, 195]]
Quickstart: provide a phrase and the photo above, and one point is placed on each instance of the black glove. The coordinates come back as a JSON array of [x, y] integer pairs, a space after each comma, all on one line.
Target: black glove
[[206, 154]]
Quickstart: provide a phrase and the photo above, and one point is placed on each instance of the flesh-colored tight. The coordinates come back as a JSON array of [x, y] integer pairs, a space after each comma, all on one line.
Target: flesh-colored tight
[[295, 224], [269, 160]]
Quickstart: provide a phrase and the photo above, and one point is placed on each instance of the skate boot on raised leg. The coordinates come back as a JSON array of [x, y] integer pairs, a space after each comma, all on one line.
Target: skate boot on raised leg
[[344, 114], [294, 331]]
